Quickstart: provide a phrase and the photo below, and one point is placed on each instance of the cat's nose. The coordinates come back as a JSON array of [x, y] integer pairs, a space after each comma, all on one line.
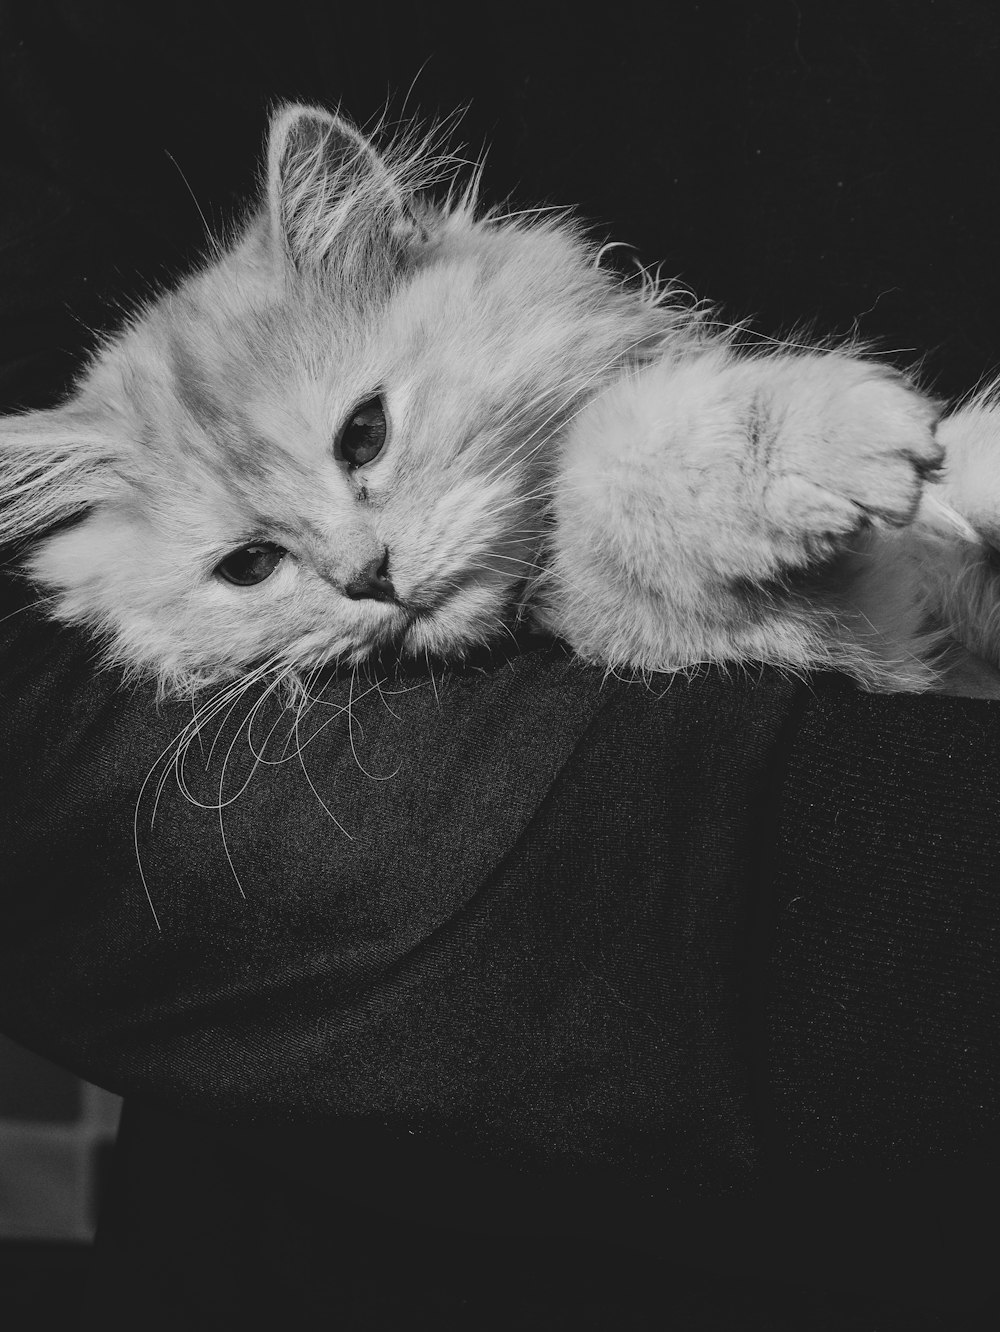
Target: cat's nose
[[372, 583]]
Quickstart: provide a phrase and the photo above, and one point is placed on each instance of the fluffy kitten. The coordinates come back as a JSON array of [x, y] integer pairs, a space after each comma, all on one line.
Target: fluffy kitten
[[377, 422]]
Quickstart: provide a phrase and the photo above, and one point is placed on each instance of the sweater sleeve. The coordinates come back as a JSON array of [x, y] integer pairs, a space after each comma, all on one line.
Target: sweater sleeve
[[883, 987]]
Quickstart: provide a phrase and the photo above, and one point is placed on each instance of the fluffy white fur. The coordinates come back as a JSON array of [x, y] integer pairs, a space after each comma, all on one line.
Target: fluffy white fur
[[560, 443]]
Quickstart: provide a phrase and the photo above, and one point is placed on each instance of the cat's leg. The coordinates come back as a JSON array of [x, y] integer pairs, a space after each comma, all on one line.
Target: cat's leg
[[957, 532], [715, 507]]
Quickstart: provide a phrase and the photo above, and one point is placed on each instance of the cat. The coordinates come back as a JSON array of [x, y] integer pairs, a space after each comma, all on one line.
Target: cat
[[378, 421]]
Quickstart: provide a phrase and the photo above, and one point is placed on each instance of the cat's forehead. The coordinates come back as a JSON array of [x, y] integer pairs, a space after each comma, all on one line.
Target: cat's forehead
[[251, 385], [217, 350], [193, 367]]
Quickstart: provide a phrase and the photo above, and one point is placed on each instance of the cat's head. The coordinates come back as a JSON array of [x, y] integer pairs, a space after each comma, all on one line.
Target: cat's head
[[334, 438]]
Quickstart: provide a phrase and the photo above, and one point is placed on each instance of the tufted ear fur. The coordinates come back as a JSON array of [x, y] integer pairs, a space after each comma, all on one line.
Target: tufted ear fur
[[54, 465], [334, 202]]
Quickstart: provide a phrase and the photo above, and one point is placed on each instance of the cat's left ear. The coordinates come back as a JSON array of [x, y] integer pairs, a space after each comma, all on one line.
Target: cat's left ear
[[54, 465], [333, 199]]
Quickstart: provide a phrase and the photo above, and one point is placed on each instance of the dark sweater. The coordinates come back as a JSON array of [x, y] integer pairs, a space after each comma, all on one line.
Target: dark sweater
[[693, 967]]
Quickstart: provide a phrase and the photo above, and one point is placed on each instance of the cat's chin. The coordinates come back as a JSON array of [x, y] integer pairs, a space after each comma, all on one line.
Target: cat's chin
[[400, 631], [471, 616], [421, 635]]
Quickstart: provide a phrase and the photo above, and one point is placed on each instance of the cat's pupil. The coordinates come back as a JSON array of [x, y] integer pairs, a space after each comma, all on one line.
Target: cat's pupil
[[251, 563], [363, 436]]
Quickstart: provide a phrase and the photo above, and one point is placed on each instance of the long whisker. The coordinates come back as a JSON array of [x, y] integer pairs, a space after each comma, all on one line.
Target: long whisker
[[382, 698], [224, 701], [172, 759], [31, 605], [213, 243], [337, 710], [319, 799], [351, 722], [167, 749], [430, 672], [185, 737]]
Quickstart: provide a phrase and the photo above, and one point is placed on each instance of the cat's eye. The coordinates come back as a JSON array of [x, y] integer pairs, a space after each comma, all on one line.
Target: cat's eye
[[250, 564], [363, 434]]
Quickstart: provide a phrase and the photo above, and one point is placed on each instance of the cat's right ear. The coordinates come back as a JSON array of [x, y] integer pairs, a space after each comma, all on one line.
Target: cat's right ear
[[333, 200], [54, 466]]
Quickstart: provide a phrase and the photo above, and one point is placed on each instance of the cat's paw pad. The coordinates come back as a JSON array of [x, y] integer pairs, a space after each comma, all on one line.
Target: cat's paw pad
[[854, 449]]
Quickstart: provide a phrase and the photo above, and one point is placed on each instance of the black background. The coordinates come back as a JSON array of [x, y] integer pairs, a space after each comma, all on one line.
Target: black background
[[831, 166]]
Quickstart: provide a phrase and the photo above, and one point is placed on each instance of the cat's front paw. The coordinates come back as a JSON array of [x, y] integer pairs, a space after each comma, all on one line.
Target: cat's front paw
[[854, 443]]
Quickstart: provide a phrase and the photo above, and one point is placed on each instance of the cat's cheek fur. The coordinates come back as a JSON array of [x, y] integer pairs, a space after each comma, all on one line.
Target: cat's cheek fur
[[99, 579], [112, 576], [470, 618], [93, 570]]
